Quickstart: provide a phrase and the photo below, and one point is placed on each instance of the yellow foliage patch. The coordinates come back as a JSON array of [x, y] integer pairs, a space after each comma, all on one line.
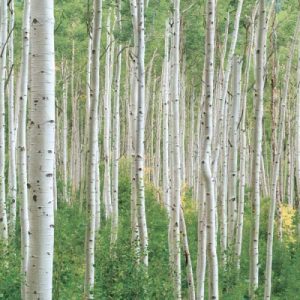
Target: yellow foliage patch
[[288, 214]]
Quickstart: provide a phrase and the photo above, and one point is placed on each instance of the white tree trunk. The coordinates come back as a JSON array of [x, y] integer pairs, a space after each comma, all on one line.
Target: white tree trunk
[[3, 47], [93, 162], [276, 168], [22, 145], [243, 147], [206, 163], [12, 182], [107, 123], [116, 136], [65, 131], [140, 134], [41, 151], [176, 181], [166, 171], [257, 139]]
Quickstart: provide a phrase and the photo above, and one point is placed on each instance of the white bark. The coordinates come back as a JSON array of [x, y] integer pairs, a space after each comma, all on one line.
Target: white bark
[[41, 151], [233, 153], [12, 182], [65, 131], [140, 134], [176, 182], [166, 171], [257, 139], [22, 145], [107, 123], [206, 163], [93, 146], [243, 147], [116, 136], [3, 48], [275, 173]]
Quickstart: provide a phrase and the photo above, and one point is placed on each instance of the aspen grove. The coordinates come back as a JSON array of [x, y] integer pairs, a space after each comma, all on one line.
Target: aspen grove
[[149, 149]]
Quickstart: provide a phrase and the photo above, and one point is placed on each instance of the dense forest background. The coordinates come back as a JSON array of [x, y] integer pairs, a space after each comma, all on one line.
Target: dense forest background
[[118, 274]]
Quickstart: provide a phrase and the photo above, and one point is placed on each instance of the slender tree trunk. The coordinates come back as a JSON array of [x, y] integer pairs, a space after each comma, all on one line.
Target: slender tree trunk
[[93, 162], [65, 131], [206, 163], [107, 123], [176, 182], [140, 134], [22, 145], [41, 151], [233, 165], [278, 152], [166, 171], [12, 182], [243, 146], [257, 139], [3, 37], [116, 138]]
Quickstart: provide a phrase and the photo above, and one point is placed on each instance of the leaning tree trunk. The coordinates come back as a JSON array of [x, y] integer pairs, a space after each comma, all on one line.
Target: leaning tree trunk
[[257, 140], [41, 151], [93, 149]]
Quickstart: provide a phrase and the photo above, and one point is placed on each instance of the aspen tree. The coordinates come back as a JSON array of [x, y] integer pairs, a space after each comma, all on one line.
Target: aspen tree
[[22, 145], [107, 122], [135, 239], [3, 37], [87, 116], [166, 171], [116, 137], [188, 260], [41, 152], [202, 207], [243, 145], [65, 130], [275, 173], [93, 162], [176, 181], [257, 138], [12, 182], [206, 162], [140, 134], [233, 156]]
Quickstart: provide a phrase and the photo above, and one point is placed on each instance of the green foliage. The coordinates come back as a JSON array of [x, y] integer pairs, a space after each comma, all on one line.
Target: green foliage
[[10, 276]]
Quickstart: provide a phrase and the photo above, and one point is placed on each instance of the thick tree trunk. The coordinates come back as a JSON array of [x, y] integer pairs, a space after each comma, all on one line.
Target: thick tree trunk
[[41, 152]]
